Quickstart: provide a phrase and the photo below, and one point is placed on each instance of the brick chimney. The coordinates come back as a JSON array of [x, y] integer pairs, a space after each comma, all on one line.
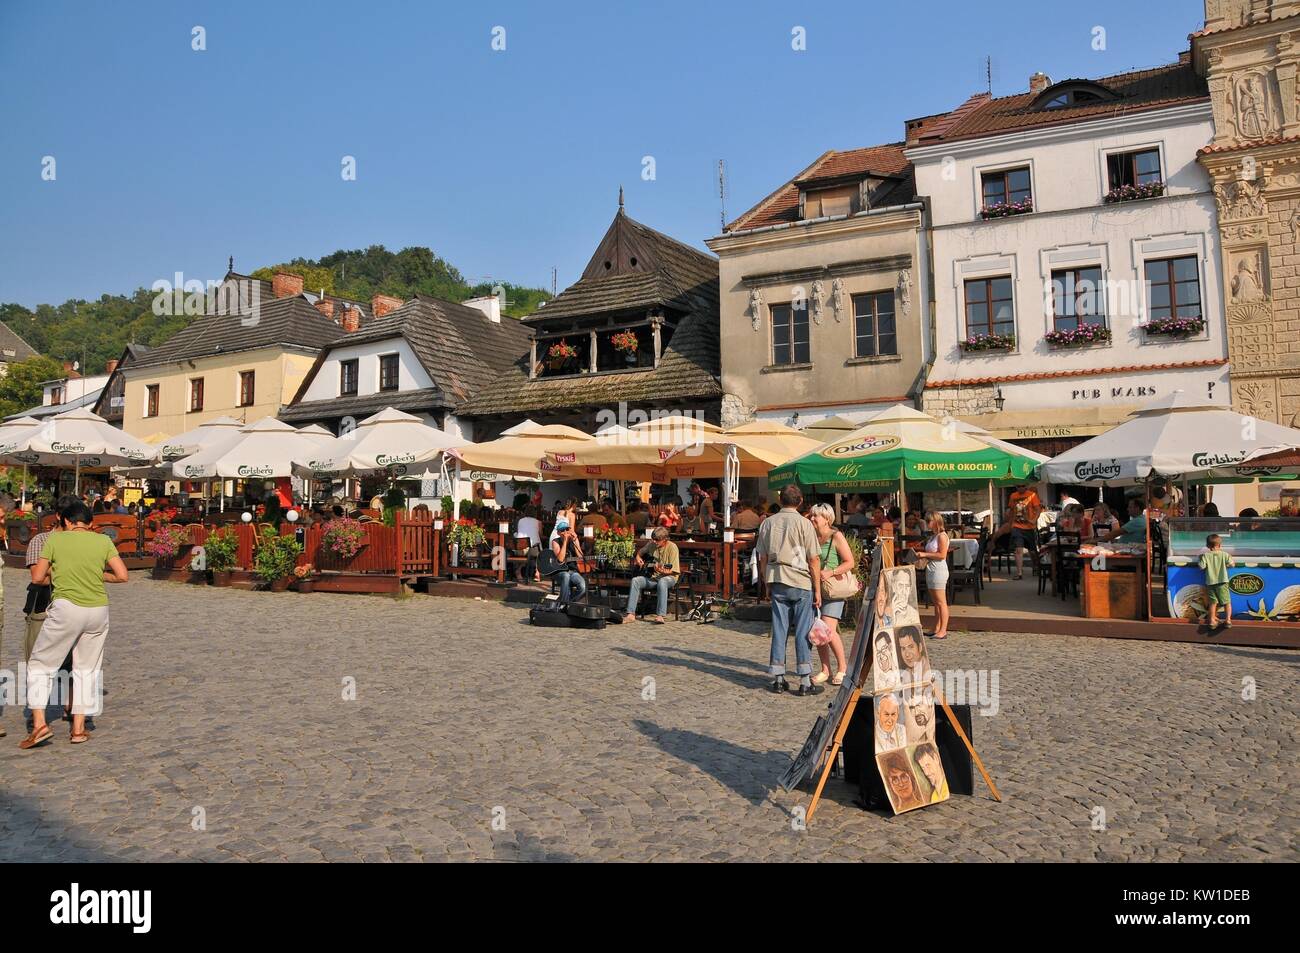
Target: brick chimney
[[380, 305], [351, 318], [110, 367], [285, 285], [326, 307], [1039, 82]]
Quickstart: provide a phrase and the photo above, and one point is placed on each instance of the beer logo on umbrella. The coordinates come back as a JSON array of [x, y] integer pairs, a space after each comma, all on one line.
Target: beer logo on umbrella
[[858, 446]]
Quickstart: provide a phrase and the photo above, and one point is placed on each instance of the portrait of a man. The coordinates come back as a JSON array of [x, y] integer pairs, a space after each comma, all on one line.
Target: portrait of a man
[[926, 758], [884, 660], [890, 733], [913, 663], [918, 716], [900, 781], [902, 596]]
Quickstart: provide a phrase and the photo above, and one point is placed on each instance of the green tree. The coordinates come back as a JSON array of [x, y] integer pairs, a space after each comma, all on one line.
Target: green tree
[[21, 389]]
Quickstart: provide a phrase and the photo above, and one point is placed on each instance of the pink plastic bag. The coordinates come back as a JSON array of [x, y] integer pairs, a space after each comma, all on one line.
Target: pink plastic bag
[[821, 632]]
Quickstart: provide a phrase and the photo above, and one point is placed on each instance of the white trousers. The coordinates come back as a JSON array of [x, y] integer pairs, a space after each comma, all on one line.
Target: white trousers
[[82, 630]]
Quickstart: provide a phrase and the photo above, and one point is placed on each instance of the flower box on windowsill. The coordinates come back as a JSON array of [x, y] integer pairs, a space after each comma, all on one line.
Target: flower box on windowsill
[[1005, 209], [1174, 327], [1085, 335], [1132, 193], [989, 342]]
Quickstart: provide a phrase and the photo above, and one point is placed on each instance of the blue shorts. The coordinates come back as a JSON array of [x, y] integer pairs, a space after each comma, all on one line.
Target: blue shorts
[[1022, 538], [833, 608]]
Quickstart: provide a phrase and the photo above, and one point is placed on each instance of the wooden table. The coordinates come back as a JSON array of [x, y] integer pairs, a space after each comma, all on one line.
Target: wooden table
[[1116, 592]]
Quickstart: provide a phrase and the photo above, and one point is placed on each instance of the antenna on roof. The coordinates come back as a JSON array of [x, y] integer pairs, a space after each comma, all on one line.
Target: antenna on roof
[[988, 74], [722, 192], [553, 277], [230, 266]]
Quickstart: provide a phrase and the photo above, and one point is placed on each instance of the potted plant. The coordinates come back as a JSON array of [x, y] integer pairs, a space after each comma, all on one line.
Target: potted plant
[[1005, 209], [1081, 336], [344, 537], [165, 547], [1175, 327], [1129, 193], [615, 546], [989, 342], [274, 560], [625, 342], [304, 577], [222, 549], [467, 535], [560, 354]]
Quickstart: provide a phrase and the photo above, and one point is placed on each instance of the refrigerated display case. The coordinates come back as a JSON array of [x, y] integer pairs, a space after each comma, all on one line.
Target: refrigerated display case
[[1264, 583]]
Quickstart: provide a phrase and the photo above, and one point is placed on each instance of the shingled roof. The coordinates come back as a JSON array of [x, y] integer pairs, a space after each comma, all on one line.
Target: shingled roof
[[12, 347], [281, 322], [887, 160], [635, 269], [1163, 86]]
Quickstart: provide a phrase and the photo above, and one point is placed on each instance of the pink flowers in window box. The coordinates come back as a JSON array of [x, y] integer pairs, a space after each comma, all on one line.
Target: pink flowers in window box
[[1129, 193], [1081, 336], [989, 342], [1005, 209], [1175, 327]]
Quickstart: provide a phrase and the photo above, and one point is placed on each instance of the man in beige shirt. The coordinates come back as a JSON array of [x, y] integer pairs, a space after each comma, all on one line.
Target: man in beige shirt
[[788, 562]]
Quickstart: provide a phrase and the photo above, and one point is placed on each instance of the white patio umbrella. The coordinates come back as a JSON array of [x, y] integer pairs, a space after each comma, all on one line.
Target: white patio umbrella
[[1176, 438], [388, 442], [10, 427], [75, 438], [263, 450]]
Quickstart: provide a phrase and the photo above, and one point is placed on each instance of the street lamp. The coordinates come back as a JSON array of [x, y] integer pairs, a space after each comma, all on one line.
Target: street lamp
[[998, 400]]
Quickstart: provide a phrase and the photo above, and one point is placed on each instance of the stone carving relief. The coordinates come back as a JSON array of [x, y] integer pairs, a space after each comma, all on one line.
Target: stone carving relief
[[756, 308], [1255, 399], [837, 298], [904, 293], [1246, 284], [1294, 225], [1254, 111], [1244, 233], [818, 300], [1240, 199]]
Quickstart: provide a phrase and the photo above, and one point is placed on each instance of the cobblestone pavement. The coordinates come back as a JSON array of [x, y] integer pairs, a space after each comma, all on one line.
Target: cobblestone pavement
[[229, 706]]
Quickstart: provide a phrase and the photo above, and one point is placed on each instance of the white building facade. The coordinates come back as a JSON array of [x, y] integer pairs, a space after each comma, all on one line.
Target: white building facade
[[1076, 265]]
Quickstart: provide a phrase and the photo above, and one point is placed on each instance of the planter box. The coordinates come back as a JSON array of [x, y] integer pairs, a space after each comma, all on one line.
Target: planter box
[[244, 579], [222, 579], [163, 570], [279, 585], [197, 577], [305, 585]]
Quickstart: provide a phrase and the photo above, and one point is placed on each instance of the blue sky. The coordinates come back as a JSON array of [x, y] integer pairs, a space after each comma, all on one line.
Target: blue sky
[[505, 163]]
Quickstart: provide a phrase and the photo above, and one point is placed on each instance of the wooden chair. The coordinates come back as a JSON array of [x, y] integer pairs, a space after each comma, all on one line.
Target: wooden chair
[[971, 575]]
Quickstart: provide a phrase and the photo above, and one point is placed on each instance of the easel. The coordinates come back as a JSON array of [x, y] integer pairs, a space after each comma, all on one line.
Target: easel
[[837, 740]]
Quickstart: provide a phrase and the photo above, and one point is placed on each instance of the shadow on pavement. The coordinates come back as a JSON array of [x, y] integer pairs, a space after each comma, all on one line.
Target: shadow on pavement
[[751, 774], [753, 679]]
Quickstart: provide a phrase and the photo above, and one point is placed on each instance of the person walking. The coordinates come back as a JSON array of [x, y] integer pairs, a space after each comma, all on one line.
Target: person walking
[[666, 565], [788, 563], [837, 564], [934, 557], [78, 561]]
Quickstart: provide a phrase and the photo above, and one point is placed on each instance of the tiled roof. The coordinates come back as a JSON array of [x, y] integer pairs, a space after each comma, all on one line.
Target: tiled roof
[[460, 347], [1085, 372], [1170, 85], [11, 341], [782, 206], [427, 398], [1206, 31], [1251, 144], [267, 293], [291, 322], [646, 270]]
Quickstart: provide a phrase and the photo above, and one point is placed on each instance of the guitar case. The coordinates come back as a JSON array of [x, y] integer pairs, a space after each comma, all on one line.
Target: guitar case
[[550, 613], [583, 616]]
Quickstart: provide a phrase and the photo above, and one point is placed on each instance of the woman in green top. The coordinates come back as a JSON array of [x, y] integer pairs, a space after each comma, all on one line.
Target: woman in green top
[[79, 561]]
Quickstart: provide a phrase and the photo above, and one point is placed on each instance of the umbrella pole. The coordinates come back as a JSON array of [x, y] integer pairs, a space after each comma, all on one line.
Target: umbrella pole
[[24, 489], [76, 478], [455, 510], [959, 519], [993, 519]]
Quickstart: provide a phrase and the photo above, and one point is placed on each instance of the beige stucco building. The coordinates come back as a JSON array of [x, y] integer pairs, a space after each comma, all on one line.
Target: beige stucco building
[[820, 312], [245, 361], [1249, 52]]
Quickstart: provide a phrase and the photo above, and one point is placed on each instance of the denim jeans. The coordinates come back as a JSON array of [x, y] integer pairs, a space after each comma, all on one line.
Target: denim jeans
[[641, 583], [792, 609], [572, 586]]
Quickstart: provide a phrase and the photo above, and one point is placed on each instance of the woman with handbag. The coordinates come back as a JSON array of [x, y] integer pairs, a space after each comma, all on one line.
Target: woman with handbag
[[838, 585], [934, 557]]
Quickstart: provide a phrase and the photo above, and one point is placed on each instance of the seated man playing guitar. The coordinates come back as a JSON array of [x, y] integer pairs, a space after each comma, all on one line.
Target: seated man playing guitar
[[663, 563], [564, 553]]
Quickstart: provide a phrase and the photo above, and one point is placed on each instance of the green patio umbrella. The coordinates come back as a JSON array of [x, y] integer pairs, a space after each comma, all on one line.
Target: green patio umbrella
[[902, 446]]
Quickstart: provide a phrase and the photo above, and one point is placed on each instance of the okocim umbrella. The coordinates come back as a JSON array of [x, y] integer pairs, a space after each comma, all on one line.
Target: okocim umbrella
[[902, 445], [1178, 437]]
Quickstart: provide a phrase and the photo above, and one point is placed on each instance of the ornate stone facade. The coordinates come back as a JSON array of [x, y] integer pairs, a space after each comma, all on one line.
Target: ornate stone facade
[[1249, 53]]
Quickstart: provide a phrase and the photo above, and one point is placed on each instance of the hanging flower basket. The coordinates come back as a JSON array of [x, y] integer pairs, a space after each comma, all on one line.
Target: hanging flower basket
[[1006, 209], [625, 342], [989, 342], [1130, 193], [344, 537], [1081, 336], [467, 535], [1175, 327]]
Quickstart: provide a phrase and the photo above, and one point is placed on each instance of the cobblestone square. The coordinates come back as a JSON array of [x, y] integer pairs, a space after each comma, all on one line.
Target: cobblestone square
[[228, 707]]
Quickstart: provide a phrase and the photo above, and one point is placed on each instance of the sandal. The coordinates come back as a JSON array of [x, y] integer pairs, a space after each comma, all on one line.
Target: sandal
[[838, 679], [38, 736], [821, 678], [79, 738], [658, 620]]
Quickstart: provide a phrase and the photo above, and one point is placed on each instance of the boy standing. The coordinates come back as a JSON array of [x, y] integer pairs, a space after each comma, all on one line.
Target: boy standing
[[1215, 562]]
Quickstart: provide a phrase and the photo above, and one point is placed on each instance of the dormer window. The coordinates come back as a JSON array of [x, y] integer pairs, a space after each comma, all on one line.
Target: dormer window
[[820, 203], [1070, 93]]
